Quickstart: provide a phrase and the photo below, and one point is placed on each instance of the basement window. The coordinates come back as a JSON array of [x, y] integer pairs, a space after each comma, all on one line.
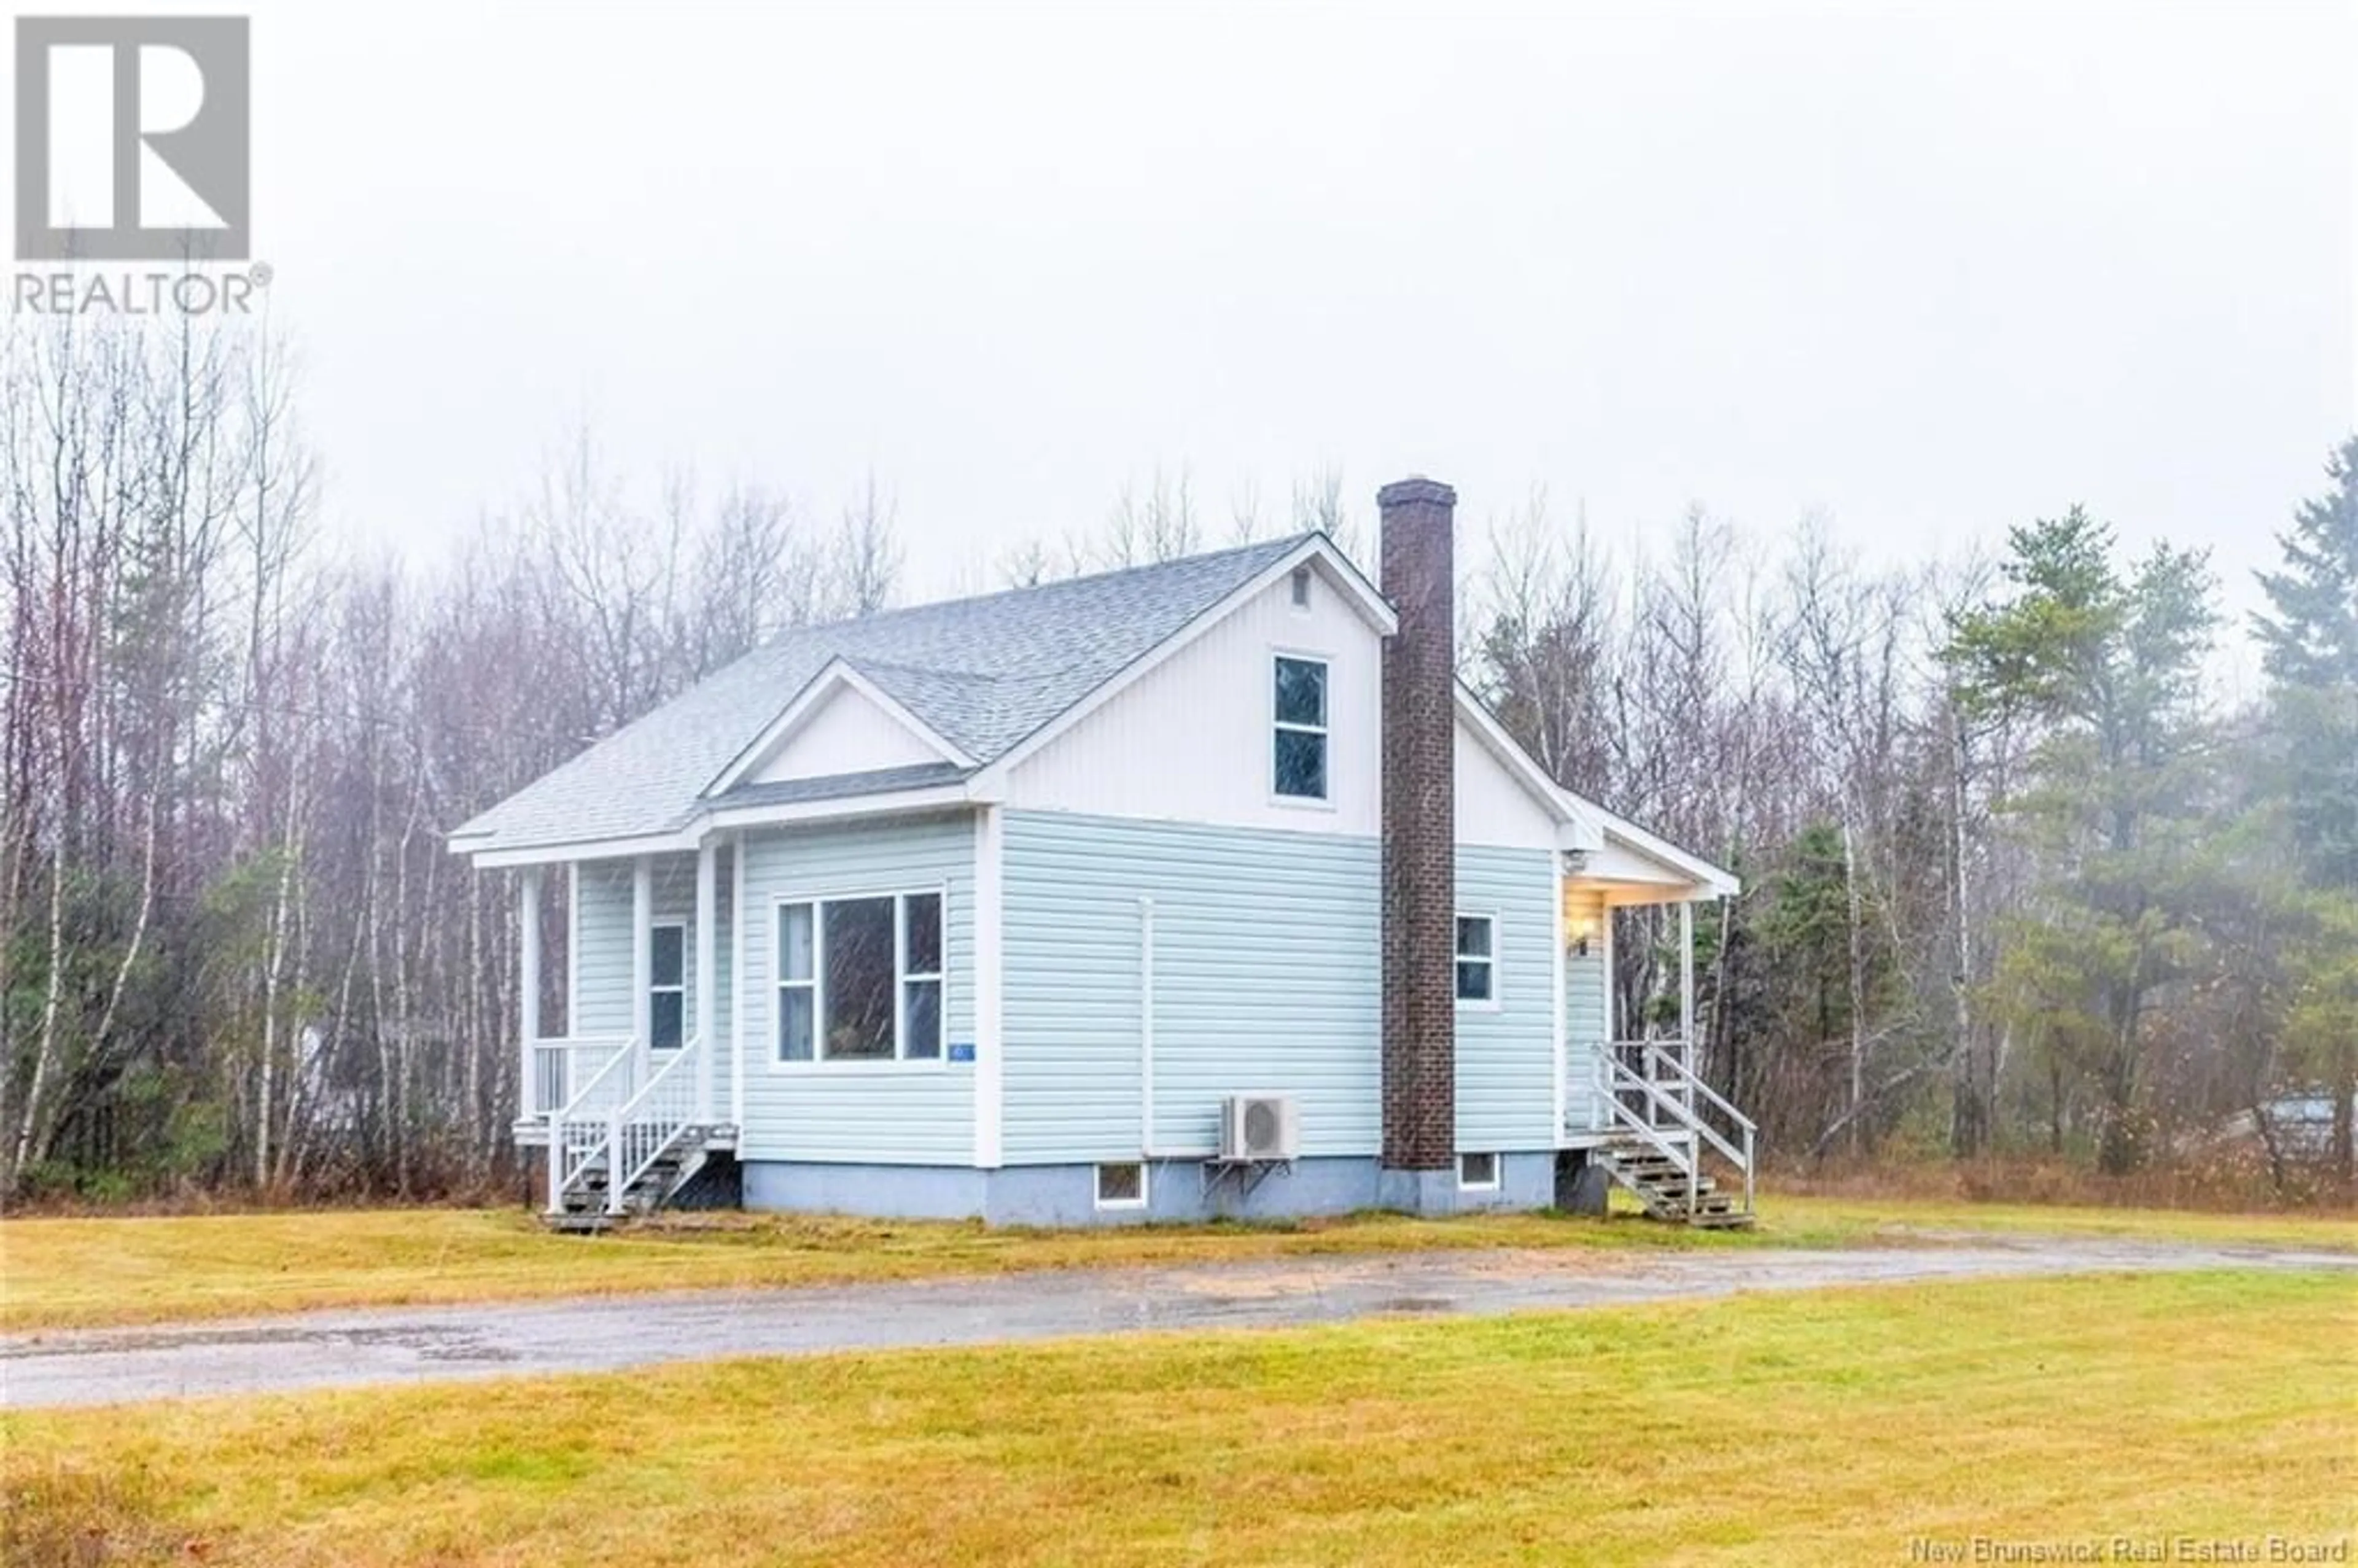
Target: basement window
[[1299, 706], [1121, 1185], [860, 979], [1478, 1173], [1478, 961]]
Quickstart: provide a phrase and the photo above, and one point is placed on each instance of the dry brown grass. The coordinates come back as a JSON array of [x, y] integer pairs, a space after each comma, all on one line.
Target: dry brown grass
[[2232, 1181]]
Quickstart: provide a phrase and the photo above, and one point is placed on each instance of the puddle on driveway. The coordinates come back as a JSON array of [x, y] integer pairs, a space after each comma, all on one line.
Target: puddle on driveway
[[602, 1334]]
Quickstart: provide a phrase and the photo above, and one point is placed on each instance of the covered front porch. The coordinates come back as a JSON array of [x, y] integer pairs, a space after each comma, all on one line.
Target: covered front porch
[[1635, 1096], [642, 1086]]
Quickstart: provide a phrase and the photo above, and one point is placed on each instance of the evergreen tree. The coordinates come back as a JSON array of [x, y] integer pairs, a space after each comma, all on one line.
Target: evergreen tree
[[2310, 642], [2106, 667]]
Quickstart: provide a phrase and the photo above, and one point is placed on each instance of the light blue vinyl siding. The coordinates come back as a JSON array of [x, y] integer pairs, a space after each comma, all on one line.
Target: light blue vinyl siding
[[604, 933], [885, 1113], [1267, 970], [605, 936], [1584, 1026], [601, 980], [673, 903], [1505, 1056]]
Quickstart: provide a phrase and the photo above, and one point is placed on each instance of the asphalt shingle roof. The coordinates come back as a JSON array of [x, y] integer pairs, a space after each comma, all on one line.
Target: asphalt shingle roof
[[835, 787], [984, 673]]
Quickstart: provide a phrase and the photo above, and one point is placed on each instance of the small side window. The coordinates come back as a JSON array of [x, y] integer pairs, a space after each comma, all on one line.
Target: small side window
[[1302, 587], [1478, 963], [1121, 1185], [1478, 1173]]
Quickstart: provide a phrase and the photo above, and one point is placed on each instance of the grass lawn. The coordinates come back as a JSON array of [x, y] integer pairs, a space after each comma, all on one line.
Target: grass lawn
[[1861, 1218], [82, 1272], [1822, 1427]]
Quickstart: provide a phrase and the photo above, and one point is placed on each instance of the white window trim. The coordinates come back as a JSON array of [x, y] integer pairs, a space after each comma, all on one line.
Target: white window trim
[[1457, 958], [1325, 662], [655, 989], [1496, 1169], [857, 1066], [903, 979], [1096, 1186]]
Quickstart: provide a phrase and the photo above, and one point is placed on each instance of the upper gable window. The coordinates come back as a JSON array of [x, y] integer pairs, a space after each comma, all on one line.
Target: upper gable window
[[1301, 587], [1299, 771]]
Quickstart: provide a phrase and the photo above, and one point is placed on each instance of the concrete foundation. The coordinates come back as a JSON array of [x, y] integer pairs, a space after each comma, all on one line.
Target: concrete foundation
[[1177, 1191]]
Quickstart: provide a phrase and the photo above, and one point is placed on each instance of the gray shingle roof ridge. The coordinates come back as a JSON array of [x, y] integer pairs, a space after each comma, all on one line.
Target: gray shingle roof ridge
[[884, 618], [868, 664]]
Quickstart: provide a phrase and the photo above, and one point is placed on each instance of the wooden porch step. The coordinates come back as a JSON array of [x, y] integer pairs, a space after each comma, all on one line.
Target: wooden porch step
[[1661, 1183], [583, 1207]]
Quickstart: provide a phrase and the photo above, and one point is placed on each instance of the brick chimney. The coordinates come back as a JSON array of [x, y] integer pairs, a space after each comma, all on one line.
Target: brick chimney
[[1420, 850]]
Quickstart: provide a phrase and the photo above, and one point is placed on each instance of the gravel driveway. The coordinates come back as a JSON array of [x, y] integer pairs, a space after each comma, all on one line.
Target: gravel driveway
[[407, 1344]]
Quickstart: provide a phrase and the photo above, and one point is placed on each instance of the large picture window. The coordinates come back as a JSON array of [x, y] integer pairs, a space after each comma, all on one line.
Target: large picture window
[[860, 979], [1299, 762]]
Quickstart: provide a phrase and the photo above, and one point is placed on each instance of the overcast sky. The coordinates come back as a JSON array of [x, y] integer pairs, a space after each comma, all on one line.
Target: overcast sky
[[1928, 270]]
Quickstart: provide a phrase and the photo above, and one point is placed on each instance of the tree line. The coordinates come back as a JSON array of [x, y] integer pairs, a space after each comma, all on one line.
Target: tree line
[[2015, 880], [235, 952]]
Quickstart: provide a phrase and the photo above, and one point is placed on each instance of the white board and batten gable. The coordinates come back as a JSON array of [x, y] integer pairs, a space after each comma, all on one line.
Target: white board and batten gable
[[844, 733], [840, 723], [1190, 739]]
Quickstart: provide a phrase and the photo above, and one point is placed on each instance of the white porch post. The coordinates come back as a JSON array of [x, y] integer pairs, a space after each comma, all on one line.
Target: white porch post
[[707, 902], [1559, 888], [1687, 993], [528, 992], [990, 981], [643, 953], [1600, 1111], [737, 985]]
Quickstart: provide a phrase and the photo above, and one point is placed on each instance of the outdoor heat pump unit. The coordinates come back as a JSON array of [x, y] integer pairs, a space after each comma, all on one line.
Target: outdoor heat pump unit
[[1255, 1128]]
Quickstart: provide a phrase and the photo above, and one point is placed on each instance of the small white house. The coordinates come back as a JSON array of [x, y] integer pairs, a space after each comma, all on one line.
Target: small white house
[[1197, 888]]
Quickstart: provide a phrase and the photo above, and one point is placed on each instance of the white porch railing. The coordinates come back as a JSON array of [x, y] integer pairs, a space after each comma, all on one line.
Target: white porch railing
[[559, 1064], [651, 1121], [622, 1118], [580, 1131], [1656, 1097]]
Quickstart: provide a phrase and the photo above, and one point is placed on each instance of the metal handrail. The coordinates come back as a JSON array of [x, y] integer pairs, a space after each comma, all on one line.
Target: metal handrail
[[650, 1121], [1616, 1077], [1694, 1082], [1682, 1158], [1701, 1087], [1636, 1123]]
